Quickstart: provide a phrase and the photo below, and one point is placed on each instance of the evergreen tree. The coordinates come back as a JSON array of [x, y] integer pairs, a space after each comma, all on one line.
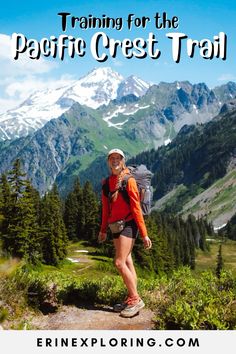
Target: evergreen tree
[[203, 232], [14, 235], [31, 247], [162, 250], [220, 262], [230, 228], [20, 219], [1, 216], [209, 228], [71, 216], [176, 244], [195, 230], [81, 214], [192, 253], [53, 231], [164, 247], [74, 214], [5, 208], [91, 213], [17, 181], [144, 258]]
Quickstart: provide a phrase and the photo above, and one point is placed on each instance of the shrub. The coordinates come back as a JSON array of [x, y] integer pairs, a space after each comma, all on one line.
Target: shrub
[[46, 290], [188, 302], [185, 301]]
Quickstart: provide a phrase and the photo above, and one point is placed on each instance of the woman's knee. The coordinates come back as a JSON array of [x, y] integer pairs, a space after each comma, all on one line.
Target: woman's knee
[[129, 261], [119, 264]]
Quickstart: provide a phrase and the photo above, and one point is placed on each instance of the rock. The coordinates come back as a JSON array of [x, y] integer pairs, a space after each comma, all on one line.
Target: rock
[[73, 318]]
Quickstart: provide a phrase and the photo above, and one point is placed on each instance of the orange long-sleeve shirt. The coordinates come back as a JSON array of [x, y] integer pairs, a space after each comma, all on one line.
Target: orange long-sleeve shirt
[[120, 209]]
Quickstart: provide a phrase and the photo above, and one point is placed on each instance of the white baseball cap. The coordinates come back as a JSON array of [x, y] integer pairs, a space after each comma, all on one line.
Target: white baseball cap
[[116, 151]]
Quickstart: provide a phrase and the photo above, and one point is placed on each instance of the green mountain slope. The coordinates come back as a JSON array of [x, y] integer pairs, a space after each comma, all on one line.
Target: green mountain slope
[[77, 142], [218, 202], [196, 159], [66, 146]]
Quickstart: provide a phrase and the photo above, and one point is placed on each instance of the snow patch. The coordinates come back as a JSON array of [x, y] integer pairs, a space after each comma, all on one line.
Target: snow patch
[[216, 228], [122, 110], [167, 141], [82, 251], [73, 260], [195, 107], [93, 90]]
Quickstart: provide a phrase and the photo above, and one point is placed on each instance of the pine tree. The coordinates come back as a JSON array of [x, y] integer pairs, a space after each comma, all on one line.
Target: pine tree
[[91, 213], [203, 232], [220, 262], [71, 216], [176, 245], [192, 252], [1, 212], [20, 222], [74, 214], [5, 207], [14, 235], [230, 228], [161, 254], [81, 214], [17, 181], [144, 258], [53, 229], [195, 230], [31, 247], [1, 216]]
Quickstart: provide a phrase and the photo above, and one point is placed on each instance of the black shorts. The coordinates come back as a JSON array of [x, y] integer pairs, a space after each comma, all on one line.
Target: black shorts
[[130, 230]]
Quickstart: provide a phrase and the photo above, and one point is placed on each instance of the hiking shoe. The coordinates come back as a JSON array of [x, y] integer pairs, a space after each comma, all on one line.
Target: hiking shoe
[[120, 307], [132, 308]]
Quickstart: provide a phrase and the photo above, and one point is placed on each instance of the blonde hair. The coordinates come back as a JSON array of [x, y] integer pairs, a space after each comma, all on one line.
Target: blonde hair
[[119, 181]]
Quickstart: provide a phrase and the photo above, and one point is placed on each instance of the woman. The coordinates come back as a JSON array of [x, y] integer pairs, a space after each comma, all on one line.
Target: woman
[[115, 208]]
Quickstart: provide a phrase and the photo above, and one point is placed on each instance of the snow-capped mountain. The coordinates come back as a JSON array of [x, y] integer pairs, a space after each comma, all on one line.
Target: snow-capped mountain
[[97, 88], [32, 114], [132, 85]]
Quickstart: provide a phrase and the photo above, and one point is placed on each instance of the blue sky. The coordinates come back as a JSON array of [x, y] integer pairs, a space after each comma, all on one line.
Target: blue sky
[[197, 19]]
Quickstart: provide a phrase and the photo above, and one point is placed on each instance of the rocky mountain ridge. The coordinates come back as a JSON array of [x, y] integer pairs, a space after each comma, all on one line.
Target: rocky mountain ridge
[[178, 102], [97, 88]]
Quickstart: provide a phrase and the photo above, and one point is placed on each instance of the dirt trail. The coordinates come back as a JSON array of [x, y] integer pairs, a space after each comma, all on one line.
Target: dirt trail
[[71, 317]]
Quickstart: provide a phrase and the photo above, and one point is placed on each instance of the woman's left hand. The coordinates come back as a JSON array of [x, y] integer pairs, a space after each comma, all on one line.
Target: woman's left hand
[[102, 237], [147, 242]]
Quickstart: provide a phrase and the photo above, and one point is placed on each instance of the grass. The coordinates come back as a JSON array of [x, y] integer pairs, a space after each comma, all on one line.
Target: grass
[[95, 279], [71, 279], [170, 198], [217, 200], [208, 260], [89, 265]]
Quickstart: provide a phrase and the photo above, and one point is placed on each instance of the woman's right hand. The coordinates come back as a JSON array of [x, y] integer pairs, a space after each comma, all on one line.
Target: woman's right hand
[[102, 236], [147, 243]]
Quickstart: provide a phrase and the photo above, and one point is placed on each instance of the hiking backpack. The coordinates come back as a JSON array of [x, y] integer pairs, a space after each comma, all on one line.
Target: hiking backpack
[[143, 179]]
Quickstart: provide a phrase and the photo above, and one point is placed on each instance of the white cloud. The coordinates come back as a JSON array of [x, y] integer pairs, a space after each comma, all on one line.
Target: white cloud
[[6, 104], [23, 65], [117, 63], [19, 90], [20, 78], [227, 77], [26, 87]]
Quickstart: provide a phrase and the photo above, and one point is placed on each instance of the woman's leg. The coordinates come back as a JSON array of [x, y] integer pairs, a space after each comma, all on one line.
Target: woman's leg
[[130, 265], [124, 264]]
